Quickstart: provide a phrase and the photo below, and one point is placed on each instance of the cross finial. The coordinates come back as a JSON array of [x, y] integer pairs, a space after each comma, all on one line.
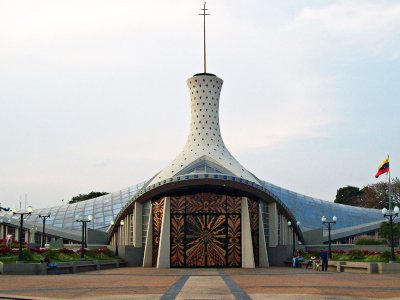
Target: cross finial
[[204, 32]]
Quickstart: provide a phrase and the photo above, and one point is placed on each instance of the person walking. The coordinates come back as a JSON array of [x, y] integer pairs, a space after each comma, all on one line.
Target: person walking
[[324, 258], [9, 240]]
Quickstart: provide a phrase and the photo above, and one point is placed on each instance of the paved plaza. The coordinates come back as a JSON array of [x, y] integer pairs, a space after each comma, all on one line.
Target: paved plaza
[[151, 283]]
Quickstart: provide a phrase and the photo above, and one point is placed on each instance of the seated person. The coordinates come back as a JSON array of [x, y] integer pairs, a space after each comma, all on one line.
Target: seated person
[[317, 265], [311, 262], [50, 265], [297, 258]]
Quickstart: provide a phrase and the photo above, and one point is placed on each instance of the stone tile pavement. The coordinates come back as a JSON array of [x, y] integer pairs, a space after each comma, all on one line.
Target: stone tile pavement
[[150, 283]]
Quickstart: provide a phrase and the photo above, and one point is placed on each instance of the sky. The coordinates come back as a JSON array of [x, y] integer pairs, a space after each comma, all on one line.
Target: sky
[[93, 93]]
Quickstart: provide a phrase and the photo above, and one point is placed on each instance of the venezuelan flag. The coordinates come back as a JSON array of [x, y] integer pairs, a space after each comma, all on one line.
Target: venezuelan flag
[[383, 167]]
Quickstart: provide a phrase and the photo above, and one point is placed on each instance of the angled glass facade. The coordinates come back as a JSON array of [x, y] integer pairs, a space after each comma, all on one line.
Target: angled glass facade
[[103, 209], [306, 209], [309, 210]]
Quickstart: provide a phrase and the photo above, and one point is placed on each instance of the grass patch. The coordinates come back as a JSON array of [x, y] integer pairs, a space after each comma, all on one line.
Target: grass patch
[[60, 255]]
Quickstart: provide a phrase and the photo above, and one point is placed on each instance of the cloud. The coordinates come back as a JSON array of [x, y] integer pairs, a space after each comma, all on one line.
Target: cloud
[[94, 92], [371, 26], [302, 68]]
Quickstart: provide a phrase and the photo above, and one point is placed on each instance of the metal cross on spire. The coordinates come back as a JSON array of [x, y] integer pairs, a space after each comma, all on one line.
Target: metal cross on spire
[[204, 31]]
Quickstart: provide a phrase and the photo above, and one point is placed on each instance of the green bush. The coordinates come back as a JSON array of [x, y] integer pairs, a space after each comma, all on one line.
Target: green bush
[[385, 256], [309, 254], [374, 258], [90, 254], [340, 256], [356, 254], [32, 255], [27, 255], [369, 241], [52, 254]]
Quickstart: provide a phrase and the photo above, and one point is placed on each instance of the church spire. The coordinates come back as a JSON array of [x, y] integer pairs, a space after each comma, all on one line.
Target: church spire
[[204, 14]]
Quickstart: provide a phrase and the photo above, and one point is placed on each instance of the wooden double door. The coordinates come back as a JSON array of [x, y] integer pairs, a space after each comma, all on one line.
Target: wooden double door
[[205, 231]]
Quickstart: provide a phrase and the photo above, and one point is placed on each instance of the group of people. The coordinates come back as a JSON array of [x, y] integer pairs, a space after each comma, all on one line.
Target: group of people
[[313, 262]]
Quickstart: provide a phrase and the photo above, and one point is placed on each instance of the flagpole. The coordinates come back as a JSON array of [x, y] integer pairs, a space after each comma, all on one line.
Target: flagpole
[[390, 190]]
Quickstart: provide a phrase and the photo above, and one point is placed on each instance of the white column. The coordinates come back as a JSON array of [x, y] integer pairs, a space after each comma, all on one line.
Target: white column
[[285, 230], [263, 247], [26, 232], [32, 234], [163, 260], [2, 231], [148, 248], [273, 224], [247, 243], [126, 230], [137, 227], [16, 236]]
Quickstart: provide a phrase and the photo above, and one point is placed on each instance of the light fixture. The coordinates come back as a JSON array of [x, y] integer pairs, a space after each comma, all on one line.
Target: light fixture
[[28, 211], [329, 223], [390, 215]]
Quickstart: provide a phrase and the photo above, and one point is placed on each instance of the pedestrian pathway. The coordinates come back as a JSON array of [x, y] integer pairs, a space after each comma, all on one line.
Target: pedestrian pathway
[[165, 284], [205, 287]]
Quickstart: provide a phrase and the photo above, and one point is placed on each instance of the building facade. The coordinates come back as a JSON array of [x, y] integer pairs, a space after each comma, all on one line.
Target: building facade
[[202, 210]]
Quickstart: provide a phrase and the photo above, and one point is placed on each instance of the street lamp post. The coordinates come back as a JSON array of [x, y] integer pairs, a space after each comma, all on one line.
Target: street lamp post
[[324, 221], [391, 215], [44, 217], [85, 231], [294, 233], [112, 223], [3, 208], [21, 224], [83, 221]]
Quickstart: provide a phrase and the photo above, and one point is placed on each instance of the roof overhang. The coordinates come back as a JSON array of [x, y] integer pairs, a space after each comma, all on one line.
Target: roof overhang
[[353, 231], [190, 183]]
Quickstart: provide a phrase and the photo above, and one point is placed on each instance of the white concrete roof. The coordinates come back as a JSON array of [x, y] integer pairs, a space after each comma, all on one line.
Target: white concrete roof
[[204, 144]]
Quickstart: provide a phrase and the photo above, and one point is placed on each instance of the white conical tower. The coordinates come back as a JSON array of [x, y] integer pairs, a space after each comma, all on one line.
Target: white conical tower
[[205, 151], [204, 147]]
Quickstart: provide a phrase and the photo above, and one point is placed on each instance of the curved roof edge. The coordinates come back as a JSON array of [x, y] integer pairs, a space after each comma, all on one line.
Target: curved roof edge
[[228, 181], [305, 209]]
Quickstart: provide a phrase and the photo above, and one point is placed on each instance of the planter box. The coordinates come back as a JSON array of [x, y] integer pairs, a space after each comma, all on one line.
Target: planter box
[[62, 268], [23, 269], [359, 267], [333, 266], [388, 268]]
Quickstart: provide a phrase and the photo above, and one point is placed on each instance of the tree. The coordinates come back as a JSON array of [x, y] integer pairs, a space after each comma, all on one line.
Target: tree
[[347, 195], [374, 195], [84, 197], [384, 231]]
